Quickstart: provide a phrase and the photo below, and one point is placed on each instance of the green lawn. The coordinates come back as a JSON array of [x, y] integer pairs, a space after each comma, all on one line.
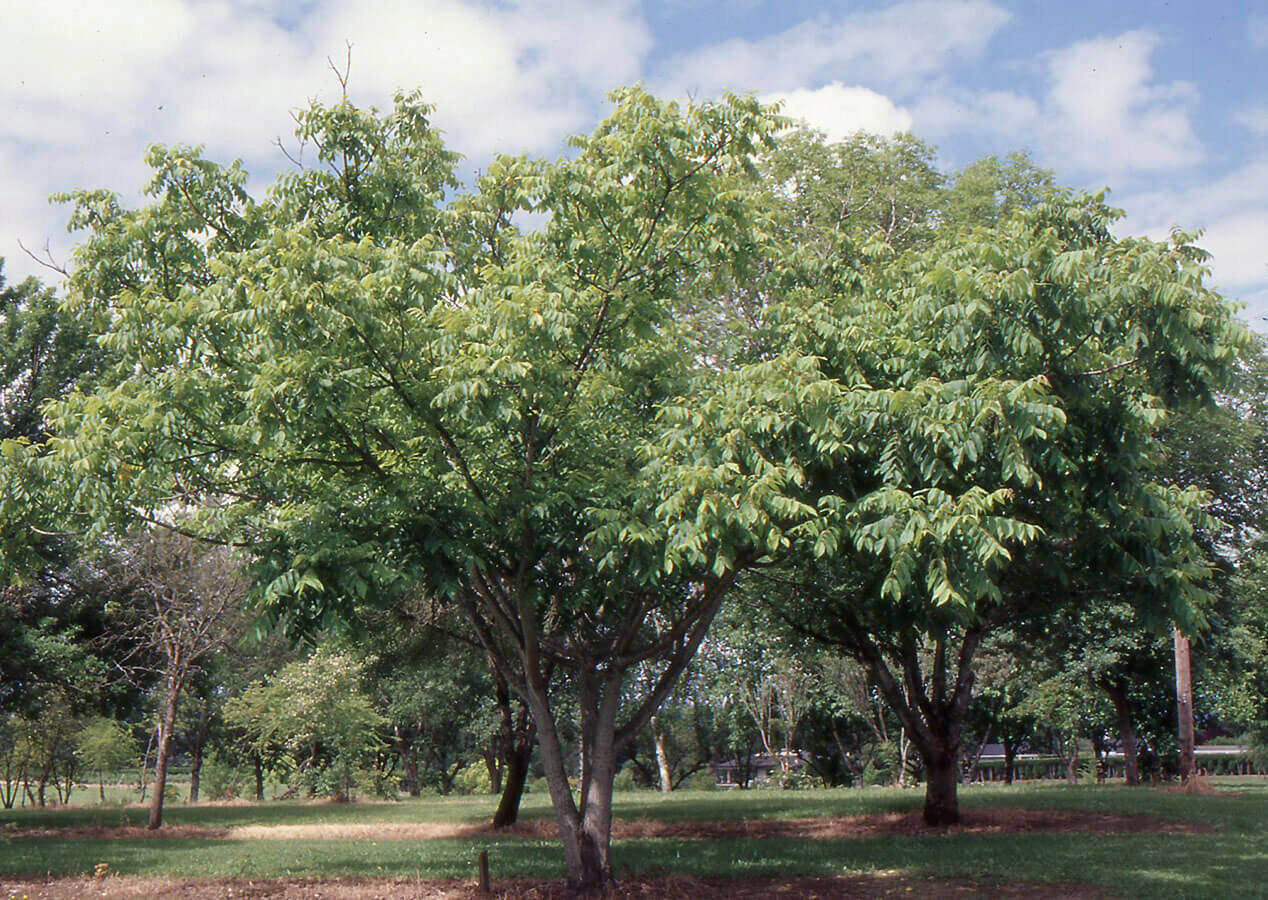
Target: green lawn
[[1232, 861]]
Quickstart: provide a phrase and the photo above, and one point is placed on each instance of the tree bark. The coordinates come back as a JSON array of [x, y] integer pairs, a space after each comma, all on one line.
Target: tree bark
[[1184, 706], [942, 805], [662, 758], [259, 777], [1010, 760], [1117, 693], [167, 723], [508, 810], [516, 736]]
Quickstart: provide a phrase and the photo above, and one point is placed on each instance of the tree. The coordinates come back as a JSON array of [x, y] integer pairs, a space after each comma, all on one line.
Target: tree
[[374, 387], [989, 190], [103, 745], [189, 599], [319, 711], [978, 425]]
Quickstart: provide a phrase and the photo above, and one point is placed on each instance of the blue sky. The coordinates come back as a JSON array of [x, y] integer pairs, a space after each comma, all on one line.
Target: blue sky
[[1166, 103]]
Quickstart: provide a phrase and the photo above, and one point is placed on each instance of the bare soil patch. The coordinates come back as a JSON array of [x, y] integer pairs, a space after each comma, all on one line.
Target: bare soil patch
[[846, 887], [974, 821]]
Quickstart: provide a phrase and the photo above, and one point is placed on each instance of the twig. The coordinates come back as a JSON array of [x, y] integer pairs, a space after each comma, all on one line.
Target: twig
[[48, 262]]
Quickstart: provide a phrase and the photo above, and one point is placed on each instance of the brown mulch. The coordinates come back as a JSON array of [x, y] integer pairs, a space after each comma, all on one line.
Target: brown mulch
[[973, 821], [854, 886]]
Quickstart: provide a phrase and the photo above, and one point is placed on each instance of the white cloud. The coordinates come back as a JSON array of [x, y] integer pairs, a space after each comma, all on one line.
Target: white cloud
[[899, 45], [87, 86], [1102, 114], [1232, 212], [1107, 114], [1254, 119], [840, 111]]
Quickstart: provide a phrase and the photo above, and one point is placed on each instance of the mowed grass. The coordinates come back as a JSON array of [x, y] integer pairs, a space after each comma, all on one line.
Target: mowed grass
[[1230, 861]]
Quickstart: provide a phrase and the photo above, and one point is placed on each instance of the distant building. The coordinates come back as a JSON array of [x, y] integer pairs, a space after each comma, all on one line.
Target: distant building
[[757, 768]]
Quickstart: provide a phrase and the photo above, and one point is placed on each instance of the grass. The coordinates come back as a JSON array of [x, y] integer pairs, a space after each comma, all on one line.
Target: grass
[[1231, 861]]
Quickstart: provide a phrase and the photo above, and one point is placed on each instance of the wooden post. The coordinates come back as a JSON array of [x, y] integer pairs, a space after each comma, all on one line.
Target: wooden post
[[484, 871], [1184, 706]]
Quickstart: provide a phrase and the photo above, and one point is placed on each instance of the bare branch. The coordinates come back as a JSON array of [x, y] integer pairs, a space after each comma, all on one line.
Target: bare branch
[[48, 262]]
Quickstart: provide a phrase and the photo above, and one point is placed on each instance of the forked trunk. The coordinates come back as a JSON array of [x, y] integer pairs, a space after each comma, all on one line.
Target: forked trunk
[[516, 775]]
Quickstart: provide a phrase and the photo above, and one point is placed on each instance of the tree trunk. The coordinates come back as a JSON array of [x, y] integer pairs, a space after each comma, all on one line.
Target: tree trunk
[[143, 783], [584, 828], [409, 759], [195, 770], [166, 724], [196, 751], [662, 758], [1184, 706], [942, 805], [517, 761], [259, 777], [1126, 729], [1072, 761], [1010, 761]]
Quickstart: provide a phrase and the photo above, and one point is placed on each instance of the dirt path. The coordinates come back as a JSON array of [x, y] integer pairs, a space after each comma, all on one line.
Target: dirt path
[[977, 821]]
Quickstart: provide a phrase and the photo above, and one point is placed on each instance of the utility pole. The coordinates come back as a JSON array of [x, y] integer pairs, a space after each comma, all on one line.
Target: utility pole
[[1184, 706]]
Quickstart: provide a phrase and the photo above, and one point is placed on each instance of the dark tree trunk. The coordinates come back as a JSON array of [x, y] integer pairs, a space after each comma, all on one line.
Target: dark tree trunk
[[508, 810], [259, 777], [1010, 761], [1117, 693], [942, 805], [409, 758], [166, 724], [195, 768], [516, 736], [931, 709], [199, 742]]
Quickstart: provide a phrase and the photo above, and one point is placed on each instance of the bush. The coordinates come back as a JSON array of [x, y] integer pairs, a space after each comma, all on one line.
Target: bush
[[700, 781], [474, 779], [221, 779], [624, 780]]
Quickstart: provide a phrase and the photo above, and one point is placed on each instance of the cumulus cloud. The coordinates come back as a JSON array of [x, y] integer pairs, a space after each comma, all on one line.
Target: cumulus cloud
[[1232, 212], [1108, 113], [1101, 112], [840, 111], [898, 45], [89, 85], [1254, 119]]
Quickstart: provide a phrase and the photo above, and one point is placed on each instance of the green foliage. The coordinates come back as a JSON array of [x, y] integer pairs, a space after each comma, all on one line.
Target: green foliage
[[105, 745], [318, 712], [474, 779]]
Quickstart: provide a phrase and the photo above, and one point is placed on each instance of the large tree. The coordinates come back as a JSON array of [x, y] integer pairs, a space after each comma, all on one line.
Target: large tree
[[374, 381], [978, 423]]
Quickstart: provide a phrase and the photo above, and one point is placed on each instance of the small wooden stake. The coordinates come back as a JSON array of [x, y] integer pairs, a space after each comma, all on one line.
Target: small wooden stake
[[484, 871]]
